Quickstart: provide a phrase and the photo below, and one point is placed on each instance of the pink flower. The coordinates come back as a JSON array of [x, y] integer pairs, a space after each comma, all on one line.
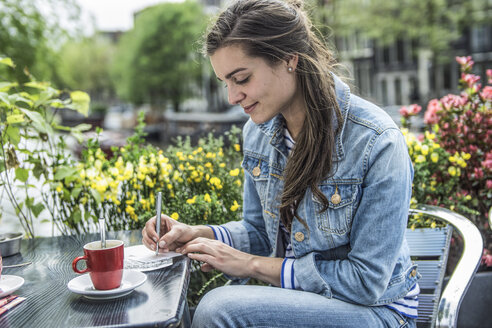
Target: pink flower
[[487, 164], [478, 173], [487, 92], [486, 258], [414, 109], [489, 184], [404, 112], [430, 116], [421, 137], [489, 76], [465, 62], [470, 79]]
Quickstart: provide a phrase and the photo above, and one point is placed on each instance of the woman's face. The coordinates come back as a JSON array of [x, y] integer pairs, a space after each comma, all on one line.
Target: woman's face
[[262, 90]]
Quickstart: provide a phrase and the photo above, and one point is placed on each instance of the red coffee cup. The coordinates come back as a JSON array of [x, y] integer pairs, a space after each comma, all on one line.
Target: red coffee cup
[[105, 265]]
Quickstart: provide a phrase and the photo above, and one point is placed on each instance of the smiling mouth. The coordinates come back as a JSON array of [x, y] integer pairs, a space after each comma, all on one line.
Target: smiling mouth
[[249, 109]]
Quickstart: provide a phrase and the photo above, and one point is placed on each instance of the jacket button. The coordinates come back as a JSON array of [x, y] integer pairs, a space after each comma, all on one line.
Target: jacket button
[[413, 273], [299, 236], [402, 322], [256, 171]]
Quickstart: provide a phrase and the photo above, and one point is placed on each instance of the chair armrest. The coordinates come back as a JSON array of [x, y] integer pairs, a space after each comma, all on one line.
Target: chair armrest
[[468, 263]]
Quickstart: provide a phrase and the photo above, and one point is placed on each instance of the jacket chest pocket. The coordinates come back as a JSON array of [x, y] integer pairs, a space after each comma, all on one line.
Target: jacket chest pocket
[[259, 170], [337, 219]]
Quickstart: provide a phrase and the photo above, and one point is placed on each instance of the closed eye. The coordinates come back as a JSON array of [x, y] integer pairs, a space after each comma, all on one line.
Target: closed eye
[[243, 81]]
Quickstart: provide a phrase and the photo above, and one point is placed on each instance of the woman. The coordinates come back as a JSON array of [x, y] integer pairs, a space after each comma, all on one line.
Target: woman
[[326, 192]]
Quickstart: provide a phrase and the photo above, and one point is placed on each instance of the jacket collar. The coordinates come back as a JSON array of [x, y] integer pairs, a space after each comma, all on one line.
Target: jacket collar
[[274, 127]]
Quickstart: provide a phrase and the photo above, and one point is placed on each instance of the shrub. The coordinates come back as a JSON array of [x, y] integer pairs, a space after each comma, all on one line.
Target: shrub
[[453, 159]]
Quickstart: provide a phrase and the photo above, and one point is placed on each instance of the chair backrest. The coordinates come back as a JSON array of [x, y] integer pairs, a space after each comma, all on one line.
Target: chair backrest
[[429, 248]]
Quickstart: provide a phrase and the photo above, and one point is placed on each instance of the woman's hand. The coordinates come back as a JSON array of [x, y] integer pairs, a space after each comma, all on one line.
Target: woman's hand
[[174, 234], [216, 254]]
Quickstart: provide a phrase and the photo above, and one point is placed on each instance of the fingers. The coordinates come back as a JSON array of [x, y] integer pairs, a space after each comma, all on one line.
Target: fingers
[[206, 267], [149, 235]]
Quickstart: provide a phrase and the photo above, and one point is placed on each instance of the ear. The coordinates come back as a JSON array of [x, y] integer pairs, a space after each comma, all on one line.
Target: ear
[[292, 61]]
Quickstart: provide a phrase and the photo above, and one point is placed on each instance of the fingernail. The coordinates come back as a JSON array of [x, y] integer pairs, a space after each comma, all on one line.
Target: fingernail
[[153, 247], [178, 250], [162, 243], [154, 239]]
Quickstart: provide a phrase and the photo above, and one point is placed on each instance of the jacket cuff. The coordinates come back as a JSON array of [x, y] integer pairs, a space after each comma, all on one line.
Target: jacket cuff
[[222, 234], [307, 272], [287, 278]]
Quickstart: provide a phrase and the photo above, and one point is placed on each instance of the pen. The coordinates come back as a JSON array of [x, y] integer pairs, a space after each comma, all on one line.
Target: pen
[[158, 220]]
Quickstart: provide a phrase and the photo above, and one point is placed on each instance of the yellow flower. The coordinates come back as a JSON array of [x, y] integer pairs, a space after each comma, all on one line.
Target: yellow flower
[[434, 157], [175, 216], [207, 198], [169, 186], [465, 156], [237, 147], [208, 165], [433, 224], [452, 171], [425, 150], [238, 182], [59, 187], [420, 159], [234, 173], [191, 200], [417, 147], [130, 210], [234, 206], [468, 197], [452, 159], [430, 136], [222, 165]]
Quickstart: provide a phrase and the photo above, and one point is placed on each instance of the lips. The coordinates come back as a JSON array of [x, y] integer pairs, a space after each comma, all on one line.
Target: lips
[[250, 108]]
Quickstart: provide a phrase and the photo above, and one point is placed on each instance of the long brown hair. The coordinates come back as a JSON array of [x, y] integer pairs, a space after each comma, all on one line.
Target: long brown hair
[[275, 30]]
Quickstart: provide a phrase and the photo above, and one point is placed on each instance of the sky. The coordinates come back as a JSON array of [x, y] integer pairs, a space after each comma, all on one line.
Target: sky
[[113, 15]]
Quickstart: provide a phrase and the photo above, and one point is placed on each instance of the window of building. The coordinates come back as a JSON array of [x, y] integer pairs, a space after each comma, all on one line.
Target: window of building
[[398, 98]]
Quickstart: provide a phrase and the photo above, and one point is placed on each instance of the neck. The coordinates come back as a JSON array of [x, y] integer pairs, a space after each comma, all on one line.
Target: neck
[[294, 118]]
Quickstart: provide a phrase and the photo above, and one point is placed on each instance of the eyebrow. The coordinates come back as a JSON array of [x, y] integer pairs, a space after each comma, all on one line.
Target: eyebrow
[[228, 76]]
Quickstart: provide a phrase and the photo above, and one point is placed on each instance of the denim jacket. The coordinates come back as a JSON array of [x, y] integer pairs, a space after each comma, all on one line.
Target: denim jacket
[[356, 250]]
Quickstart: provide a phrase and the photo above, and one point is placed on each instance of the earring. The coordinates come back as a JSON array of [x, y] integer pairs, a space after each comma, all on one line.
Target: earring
[[290, 69]]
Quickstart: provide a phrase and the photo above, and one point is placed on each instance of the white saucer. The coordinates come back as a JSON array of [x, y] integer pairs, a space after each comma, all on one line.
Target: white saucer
[[83, 285], [9, 284]]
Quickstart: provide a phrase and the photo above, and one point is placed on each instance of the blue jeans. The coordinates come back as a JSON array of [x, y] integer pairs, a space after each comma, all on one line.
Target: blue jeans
[[262, 306]]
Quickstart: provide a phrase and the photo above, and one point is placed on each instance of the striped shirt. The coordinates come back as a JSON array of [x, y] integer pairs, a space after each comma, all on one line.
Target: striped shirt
[[406, 305]]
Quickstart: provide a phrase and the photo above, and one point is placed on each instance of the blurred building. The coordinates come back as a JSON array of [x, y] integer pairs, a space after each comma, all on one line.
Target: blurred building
[[402, 73]]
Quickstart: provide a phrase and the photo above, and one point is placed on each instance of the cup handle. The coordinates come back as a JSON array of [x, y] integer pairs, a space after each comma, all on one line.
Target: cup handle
[[74, 264]]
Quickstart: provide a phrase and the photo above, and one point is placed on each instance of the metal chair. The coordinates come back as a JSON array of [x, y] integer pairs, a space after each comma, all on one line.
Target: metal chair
[[429, 248]]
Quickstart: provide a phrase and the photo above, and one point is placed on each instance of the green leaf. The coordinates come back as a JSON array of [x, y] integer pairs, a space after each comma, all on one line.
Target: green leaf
[[16, 118], [4, 98], [76, 216], [7, 61], [37, 85], [76, 192], [13, 134], [82, 127], [38, 121], [64, 171], [77, 135], [21, 174], [80, 101], [96, 195], [6, 86], [38, 170]]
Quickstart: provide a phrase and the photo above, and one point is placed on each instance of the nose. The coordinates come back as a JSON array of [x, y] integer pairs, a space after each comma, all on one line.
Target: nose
[[234, 95]]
